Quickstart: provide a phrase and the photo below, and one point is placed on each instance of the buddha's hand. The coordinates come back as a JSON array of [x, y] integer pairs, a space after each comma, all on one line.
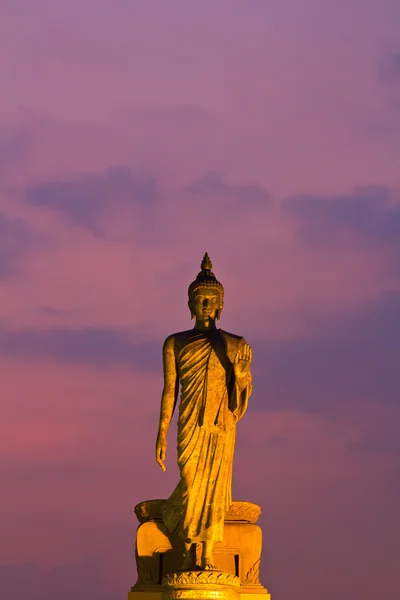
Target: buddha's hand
[[161, 449], [242, 362]]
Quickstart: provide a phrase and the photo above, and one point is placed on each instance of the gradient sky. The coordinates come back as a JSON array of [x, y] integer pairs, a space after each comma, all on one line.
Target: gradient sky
[[134, 136]]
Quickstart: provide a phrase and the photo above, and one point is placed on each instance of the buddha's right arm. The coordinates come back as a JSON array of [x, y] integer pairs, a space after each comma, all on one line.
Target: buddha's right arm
[[170, 391]]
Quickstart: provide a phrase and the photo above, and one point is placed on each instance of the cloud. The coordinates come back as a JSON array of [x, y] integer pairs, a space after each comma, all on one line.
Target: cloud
[[367, 214], [354, 357], [92, 200], [389, 78], [85, 579], [394, 62], [51, 311], [390, 66], [328, 482], [316, 491], [313, 475], [98, 346], [16, 241], [236, 195], [13, 148], [349, 358]]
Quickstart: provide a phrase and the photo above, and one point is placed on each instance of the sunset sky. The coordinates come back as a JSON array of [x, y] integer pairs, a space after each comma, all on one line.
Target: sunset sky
[[134, 136]]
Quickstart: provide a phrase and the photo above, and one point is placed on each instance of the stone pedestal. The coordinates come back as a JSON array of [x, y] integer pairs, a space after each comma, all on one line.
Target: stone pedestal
[[159, 556]]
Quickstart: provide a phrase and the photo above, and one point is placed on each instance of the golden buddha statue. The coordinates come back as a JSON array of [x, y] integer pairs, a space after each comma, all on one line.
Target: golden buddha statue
[[213, 370]]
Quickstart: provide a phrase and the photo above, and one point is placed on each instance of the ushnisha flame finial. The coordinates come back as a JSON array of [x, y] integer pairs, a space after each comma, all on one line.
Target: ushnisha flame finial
[[206, 264]]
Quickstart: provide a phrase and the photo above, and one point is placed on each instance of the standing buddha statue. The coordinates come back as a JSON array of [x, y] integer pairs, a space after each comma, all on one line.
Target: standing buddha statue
[[212, 368]]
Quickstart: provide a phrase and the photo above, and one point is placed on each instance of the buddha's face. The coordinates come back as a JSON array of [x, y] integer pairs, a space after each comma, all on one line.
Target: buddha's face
[[206, 304]]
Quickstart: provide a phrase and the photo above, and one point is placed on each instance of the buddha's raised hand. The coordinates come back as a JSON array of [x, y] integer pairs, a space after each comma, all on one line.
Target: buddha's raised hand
[[242, 362]]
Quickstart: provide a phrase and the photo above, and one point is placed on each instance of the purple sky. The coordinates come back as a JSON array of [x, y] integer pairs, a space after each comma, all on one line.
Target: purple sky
[[134, 136]]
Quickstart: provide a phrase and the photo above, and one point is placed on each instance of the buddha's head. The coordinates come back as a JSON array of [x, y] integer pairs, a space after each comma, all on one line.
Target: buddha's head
[[206, 294]]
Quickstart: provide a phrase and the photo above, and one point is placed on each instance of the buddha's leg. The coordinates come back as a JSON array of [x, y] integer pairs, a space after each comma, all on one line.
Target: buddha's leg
[[189, 562], [207, 556]]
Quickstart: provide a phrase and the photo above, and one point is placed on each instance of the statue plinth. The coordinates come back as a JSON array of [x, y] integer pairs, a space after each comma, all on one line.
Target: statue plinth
[[201, 585], [159, 556]]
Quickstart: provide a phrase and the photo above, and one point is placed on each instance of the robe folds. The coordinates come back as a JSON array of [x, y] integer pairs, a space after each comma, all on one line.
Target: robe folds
[[211, 403]]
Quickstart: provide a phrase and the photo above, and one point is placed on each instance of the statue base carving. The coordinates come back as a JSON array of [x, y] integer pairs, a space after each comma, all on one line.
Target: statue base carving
[[202, 585], [159, 556]]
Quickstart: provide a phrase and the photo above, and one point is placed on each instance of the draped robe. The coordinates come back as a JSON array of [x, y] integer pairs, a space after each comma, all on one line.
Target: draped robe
[[210, 405]]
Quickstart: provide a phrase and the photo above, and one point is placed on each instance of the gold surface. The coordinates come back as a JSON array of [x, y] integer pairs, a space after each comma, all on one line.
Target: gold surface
[[212, 368]]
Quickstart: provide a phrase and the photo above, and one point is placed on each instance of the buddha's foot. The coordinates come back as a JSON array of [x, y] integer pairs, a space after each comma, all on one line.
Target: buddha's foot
[[209, 567]]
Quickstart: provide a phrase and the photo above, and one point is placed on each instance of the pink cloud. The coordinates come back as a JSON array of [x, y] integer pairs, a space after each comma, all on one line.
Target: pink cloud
[[288, 122], [82, 454], [293, 280], [277, 101]]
